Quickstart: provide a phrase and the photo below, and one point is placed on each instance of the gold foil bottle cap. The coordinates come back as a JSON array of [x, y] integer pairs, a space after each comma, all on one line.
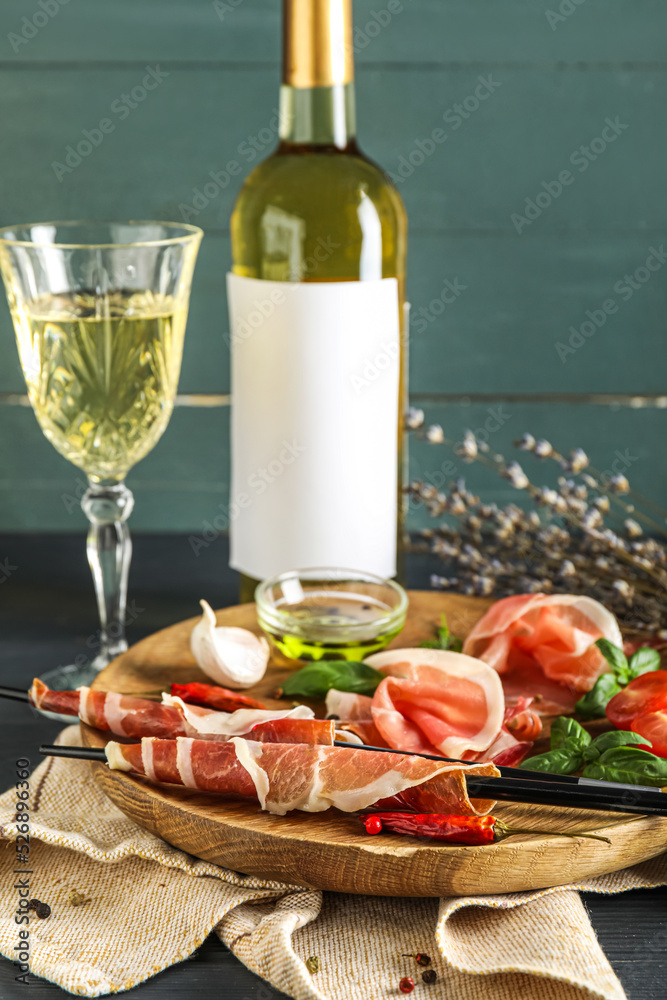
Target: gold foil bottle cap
[[317, 43]]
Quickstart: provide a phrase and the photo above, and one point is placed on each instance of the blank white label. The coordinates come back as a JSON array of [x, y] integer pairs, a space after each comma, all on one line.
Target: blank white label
[[315, 376]]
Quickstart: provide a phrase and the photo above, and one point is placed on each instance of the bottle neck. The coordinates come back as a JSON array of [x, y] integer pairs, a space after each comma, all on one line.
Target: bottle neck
[[318, 115], [317, 93]]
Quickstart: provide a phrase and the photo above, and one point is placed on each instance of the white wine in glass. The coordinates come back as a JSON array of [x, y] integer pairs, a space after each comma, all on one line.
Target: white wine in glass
[[100, 311]]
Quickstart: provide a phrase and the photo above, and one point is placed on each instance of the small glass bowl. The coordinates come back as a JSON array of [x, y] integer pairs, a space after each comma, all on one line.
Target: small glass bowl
[[330, 614]]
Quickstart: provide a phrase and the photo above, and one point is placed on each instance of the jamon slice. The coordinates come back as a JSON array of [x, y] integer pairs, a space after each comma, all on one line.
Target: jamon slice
[[289, 725], [346, 706], [366, 730], [314, 731], [282, 777], [544, 645], [138, 717], [354, 714], [522, 721], [436, 701], [117, 713]]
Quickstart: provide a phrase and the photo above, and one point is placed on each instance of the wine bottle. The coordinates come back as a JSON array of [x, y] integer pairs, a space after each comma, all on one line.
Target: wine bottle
[[317, 328]]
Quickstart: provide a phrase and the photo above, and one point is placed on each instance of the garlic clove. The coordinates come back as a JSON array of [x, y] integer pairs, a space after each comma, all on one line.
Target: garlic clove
[[233, 657]]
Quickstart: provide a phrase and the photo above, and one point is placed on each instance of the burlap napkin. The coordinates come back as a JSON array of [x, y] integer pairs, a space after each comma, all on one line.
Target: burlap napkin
[[150, 905]]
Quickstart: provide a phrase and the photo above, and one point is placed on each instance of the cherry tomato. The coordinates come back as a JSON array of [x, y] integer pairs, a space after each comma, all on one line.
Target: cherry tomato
[[646, 693], [653, 726]]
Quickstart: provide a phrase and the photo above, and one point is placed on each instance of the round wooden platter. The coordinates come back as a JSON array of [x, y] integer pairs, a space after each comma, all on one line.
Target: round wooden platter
[[329, 850]]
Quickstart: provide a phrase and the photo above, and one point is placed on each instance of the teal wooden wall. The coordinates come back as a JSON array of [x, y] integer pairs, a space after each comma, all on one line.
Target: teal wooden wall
[[553, 80]]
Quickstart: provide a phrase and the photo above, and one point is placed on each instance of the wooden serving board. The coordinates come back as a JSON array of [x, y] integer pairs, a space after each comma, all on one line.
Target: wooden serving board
[[330, 850]]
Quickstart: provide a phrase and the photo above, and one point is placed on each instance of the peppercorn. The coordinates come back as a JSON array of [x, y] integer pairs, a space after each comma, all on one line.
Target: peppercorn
[[77, 898], [313, 964], [407, 984], [429, 976], [420, 958], [42, 910]]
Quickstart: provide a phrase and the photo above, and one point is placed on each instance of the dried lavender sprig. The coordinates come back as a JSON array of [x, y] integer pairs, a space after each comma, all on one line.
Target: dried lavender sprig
[[545, 496], [512, 532], [619, 484]]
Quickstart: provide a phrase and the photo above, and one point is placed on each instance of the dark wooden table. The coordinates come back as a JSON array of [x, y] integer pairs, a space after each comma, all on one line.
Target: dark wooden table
[[48, 614]]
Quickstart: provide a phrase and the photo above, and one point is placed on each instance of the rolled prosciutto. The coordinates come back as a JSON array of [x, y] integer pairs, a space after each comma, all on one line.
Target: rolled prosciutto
[[432, 701], [543, 645], [124, 715], [282, 777]]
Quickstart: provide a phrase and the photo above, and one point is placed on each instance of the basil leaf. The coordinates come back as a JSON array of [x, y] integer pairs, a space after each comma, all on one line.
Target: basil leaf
[[594, 702], [617, 738], [564, 730], [616, 659], [444, 640], [315, 679], [629, 765], [565, 760], [643, 660]]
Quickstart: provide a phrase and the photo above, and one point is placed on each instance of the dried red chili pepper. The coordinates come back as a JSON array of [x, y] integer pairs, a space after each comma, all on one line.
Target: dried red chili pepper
[[212, 696], [474, 830]]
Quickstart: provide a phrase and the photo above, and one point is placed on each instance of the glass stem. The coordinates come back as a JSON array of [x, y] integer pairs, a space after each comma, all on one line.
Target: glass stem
[[109, 550]]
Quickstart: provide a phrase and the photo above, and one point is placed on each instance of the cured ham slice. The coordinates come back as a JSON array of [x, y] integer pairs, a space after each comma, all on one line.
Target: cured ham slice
[[207, 723], [295, 725], [212, 696], [138, 717], [523, 721], [365, 730], [117, 713], [46, 700], [346, 706], [544, 645], [354, 714], [282, 777], [436, 701], [291, 730]]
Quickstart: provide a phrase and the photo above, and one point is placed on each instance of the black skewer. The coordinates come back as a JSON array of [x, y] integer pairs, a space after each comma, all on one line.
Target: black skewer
[[524, 774], [551, 793], [79, 753], [17, 694], [544, 793]]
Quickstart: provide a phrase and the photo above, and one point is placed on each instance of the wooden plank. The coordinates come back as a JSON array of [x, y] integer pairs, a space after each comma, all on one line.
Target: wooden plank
[[410, 31], [183, 481], [616, 440], [490, 313], [183, 484], [517, 324], [521, 137], [527, 130]]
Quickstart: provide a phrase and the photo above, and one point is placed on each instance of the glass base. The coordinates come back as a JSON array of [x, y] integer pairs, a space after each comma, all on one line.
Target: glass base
[[69, 678]]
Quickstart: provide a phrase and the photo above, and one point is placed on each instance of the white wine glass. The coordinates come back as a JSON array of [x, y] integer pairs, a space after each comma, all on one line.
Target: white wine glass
[[99, 311]]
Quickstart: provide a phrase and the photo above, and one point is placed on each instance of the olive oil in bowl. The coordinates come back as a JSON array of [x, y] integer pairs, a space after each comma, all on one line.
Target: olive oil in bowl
[[330, 614]]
